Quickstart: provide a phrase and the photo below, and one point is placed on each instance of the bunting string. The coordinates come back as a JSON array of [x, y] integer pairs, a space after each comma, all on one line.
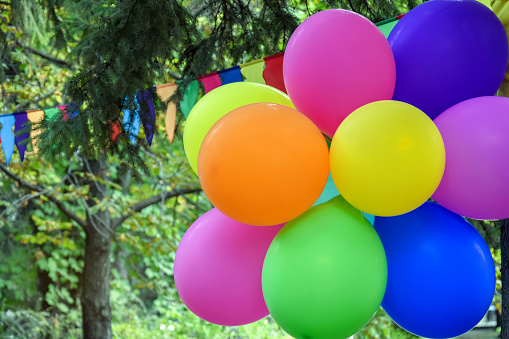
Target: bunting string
[[266, 71]]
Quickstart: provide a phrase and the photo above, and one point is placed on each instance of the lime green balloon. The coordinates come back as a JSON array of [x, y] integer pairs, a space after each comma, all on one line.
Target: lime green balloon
[[217, 103], [325, 273]]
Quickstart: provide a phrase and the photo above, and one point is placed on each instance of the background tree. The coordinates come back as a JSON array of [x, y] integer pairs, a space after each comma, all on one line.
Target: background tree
[[111, 50]]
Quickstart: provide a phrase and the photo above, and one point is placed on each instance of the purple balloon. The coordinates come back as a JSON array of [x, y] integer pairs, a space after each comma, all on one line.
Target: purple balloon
[[448, 51], [476, 178], [218, 269]]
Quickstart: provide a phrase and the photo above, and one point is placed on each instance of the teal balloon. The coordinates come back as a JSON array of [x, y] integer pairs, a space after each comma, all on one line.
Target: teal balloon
[[330, 191], [325, 273], [371, 218]]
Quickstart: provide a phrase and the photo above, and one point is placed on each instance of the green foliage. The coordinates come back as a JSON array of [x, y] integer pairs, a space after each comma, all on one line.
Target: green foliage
[[16, 275], [31, 324], [382, 326]]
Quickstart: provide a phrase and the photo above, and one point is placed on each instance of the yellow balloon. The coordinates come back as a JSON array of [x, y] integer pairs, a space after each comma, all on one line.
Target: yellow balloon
[[217, 103], [387, 158]]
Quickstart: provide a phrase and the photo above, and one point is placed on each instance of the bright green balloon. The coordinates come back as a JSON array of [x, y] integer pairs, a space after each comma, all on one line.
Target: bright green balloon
[[217, 103], [325, 273]]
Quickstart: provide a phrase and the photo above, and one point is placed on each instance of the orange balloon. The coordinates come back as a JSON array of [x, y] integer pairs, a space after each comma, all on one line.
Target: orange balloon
[[263, 164]]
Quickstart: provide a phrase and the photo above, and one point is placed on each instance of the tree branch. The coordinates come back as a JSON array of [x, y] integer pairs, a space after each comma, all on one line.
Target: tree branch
[[58, 203], [151, 201], [35, 100], [55, 60]]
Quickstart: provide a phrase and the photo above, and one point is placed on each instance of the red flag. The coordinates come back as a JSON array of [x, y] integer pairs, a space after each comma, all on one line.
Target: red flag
[[273, 72]]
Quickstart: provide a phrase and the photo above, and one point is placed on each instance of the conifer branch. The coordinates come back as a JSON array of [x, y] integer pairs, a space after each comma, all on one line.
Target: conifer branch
[[55, 60], [151, 201], [58, 203]]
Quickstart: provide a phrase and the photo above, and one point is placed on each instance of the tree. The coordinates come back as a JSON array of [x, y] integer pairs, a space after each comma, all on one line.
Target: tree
[[118, 48]]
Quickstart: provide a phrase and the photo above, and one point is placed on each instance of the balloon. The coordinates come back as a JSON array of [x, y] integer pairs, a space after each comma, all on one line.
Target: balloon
[[335, 62], [441, 273], [330, 191], [219, 102], [218, 267], [476, 182], [387, 158], [263, 164], [447, 52], [325, 273]]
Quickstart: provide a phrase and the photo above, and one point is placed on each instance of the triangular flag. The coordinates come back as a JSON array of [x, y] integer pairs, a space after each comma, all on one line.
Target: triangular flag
[[230, 75], [253, 71], [50, 113], [21, 123], [72, 110], [189, 98], [147, 113], [7, 136], [132, 121], [210, 81], [35, 116], [273, 72], [386, 26], [64, 111], [165, 93], [114, 130]]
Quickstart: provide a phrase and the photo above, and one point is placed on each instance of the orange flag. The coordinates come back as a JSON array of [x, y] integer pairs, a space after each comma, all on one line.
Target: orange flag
[[35, 116], [164, 92]]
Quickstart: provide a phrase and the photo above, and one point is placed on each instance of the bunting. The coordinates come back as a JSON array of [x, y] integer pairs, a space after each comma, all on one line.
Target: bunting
[[35, 116], [132, 121], [114, 130], [7, 137], [164, 93], [210, 81], [253, 71], [21, 123], [273, 72], [148, 113], [189, 98], [51, 113], [268, 70], [230, 75]]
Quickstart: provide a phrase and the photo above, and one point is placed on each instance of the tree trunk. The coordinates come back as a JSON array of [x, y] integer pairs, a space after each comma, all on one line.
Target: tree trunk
[[95, 299], [504, 276]]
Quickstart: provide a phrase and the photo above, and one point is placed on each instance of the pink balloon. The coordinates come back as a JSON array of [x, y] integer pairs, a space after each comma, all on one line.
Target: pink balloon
[[337, 61], [218, 269], [476, 178]]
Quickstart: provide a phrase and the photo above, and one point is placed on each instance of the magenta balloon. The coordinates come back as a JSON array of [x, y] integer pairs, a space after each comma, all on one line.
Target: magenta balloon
[[476, 178], [218, 269], [337, 61]]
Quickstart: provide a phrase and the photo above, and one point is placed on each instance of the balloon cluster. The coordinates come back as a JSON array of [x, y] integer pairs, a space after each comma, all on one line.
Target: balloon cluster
[[282, 240]]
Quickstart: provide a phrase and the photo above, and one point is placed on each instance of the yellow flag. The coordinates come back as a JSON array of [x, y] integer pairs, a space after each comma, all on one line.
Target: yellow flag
[[253, 71]]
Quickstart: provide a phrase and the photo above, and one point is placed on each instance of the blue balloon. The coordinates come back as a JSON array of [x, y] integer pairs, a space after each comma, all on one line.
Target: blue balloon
[[448, 51], [330, 191], [441, 274]]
